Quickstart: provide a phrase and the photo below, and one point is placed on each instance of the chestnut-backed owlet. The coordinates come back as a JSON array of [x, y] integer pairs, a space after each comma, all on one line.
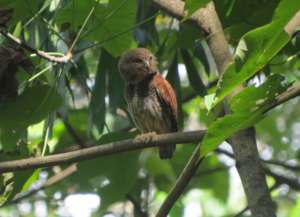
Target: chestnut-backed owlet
[[150, 98]]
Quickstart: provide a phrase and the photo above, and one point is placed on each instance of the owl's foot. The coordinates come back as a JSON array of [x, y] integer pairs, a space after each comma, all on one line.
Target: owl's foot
[[145, 137]]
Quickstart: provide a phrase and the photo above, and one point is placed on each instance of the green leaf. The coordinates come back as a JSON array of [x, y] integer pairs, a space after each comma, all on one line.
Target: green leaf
[[209, 101], [174, 79], [193, 5], [15, 183], [257, 48], [188, 35], [295, 212], [248, 108], [32, 106], [120, 170], [200, 54], [97, 104], [213, 175], [115, 85], [252, 98], [193, 74], [106, 24], [22, 9]]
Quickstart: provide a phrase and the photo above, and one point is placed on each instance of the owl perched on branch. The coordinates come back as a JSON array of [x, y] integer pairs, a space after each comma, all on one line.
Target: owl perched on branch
[[150, 98]]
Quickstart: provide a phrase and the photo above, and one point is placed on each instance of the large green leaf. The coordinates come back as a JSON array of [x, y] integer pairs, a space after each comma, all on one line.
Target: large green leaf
[[212, 175], [174, 79], [97, 104], [248, 108], [193, 74], [257, 48], [32, 106], [106, 23], [22, 9]]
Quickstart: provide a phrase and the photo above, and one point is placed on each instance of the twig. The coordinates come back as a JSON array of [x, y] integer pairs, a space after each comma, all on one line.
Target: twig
[[56, 59], [295, 168], [181, 183], [293, 183], [50, 182]]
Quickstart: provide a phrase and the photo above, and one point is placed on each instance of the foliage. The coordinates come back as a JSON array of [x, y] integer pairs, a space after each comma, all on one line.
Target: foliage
[[43, 104]]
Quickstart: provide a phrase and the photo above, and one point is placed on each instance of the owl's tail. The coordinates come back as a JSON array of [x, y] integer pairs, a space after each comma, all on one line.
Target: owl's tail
[[166, 151]]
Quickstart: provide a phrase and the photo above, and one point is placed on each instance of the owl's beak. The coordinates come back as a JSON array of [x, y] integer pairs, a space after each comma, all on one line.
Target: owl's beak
[[147, 63]]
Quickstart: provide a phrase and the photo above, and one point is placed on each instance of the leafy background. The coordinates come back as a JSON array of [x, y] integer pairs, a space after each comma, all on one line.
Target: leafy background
[[48, 103]]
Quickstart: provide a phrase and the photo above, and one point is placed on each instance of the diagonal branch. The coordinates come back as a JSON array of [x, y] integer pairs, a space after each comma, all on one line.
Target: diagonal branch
[[56, 59], [182, 181], [50, 182]]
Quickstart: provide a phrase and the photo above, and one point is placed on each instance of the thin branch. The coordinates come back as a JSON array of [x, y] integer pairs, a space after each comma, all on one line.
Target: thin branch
[[181, 182], [56, 59], [100, 150], [50, 182], [280, 179], [293, 183]]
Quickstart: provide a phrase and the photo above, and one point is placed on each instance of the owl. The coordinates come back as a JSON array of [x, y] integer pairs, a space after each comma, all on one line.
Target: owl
[[150, 98]]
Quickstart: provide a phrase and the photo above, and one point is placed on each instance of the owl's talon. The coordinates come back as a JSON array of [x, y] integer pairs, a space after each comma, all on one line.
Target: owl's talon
[[145, 137]]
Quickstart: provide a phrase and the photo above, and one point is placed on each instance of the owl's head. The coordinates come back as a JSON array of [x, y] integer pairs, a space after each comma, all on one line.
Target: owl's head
[[136, 65]]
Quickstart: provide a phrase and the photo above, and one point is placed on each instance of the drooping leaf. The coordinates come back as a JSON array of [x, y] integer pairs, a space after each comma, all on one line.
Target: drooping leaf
[[257, 48], [193, 74], [34, 104], [174, 79], [200, 54], [115, 84], [188, 35], [97, 104]]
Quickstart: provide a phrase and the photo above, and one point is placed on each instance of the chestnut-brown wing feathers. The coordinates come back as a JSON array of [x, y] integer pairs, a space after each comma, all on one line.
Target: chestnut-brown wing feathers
[[167, 99]]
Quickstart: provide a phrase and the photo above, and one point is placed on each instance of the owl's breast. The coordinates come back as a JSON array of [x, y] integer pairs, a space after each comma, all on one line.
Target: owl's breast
[[146, 112]]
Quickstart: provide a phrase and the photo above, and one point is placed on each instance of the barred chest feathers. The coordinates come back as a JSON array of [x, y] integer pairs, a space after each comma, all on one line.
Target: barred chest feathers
[[146, 112], [146, 109]]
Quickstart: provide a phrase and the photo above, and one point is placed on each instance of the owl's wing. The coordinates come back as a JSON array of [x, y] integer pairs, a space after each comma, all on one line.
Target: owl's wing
[[167, 98]]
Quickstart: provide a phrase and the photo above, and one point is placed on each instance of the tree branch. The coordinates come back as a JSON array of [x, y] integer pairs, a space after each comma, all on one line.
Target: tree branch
[[100, 150], [61, 59], [50, 182], [181, 182]]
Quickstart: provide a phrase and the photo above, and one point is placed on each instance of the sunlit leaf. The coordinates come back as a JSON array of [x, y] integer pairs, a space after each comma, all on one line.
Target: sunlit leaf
[[248, 108], [257, 48]]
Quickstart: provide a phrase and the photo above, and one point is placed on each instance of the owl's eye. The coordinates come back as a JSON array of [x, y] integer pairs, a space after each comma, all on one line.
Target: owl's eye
[[137, 60]]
